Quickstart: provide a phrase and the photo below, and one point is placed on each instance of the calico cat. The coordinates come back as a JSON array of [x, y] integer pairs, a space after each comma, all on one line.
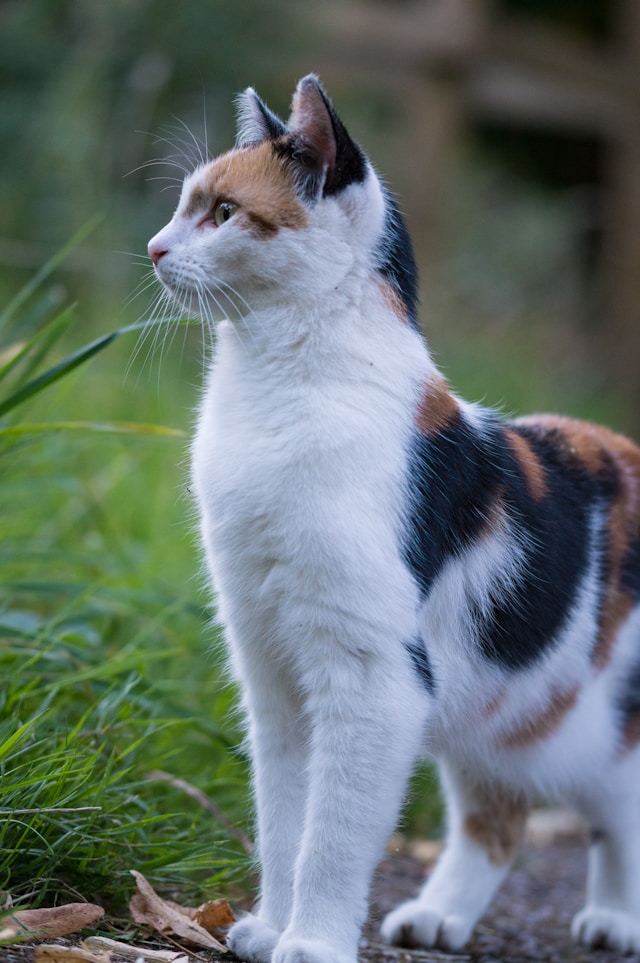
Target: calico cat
[[398, 572]]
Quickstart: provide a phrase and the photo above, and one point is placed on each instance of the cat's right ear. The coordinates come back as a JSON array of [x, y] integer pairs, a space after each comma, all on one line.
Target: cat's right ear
[[256, 123]]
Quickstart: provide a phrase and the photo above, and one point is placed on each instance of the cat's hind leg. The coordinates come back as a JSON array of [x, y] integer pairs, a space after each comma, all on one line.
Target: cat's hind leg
[[611, 916], [485, 828]]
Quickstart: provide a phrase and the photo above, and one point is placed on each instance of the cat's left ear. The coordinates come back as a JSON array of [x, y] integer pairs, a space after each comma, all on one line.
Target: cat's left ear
[[256, 122], [323, 148]]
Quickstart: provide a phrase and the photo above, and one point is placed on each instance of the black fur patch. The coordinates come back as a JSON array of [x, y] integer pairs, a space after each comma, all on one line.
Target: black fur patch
[[628, 702], [272, 126], [457, 479], [453, 483], [350, 166], [523, 624], [395, 259], [420, 660]]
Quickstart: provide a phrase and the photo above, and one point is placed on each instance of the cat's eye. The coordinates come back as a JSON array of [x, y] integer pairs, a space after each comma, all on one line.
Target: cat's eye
[[223, 211]]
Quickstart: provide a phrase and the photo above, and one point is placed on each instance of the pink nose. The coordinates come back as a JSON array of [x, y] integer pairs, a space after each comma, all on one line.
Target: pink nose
[[156, 251]]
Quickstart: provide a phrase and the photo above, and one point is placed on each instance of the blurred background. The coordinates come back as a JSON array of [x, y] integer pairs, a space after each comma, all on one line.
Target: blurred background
[[509, 131]]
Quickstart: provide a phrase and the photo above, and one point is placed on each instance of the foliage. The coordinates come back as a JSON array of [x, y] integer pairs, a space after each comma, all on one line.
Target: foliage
[[101, 643]]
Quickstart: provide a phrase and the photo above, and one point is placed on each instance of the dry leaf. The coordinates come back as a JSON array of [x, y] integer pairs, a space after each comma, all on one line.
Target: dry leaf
[[130, 952], [54, 953], [149, 909], [214, 914], [51, 921]]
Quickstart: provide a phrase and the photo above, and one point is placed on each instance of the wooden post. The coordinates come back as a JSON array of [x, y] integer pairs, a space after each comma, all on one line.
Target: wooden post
[[620, 337]]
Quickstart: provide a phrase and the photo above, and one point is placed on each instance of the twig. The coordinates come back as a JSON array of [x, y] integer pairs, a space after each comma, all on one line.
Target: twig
[[205, 959], [52, 809], [206, 803]]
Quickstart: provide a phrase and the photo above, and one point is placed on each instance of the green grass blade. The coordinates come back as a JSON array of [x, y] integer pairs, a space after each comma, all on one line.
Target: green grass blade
[[37, 347], [34, 283], [58, 371], [72, 361], [14, 738], [109, 427]]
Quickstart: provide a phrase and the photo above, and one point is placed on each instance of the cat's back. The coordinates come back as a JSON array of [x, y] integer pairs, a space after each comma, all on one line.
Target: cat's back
[[591, 448]]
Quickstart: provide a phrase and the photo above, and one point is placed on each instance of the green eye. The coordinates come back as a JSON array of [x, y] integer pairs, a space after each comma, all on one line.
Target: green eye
[[224, 210]]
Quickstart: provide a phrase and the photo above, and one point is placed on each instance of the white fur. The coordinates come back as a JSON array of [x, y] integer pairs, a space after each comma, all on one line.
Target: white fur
[[298, 465]]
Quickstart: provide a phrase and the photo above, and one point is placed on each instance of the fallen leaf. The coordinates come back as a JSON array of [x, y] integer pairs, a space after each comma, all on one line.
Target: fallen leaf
[[54, 953], [51, 921], [130, 952], [214, 914], [149, 909]]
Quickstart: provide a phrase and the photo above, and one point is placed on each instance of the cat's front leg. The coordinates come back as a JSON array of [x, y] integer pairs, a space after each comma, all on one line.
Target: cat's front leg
[[485, 826], [277, 740], [366, 730]]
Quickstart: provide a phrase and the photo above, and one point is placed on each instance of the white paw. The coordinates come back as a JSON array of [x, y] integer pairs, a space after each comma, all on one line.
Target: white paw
[[252, 940], [291, 949], [607, 928], [414, 924]]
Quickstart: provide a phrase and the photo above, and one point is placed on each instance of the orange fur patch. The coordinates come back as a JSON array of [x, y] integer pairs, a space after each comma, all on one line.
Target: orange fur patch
[[393, 301], [493, 705], [631, 734], [529, 463], [577, 440], [545, 723], [496, 823], [623, 525], [258, 182], [436, 409]]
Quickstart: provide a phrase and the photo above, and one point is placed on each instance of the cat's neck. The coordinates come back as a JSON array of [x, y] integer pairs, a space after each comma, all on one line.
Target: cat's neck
[[360, 321]]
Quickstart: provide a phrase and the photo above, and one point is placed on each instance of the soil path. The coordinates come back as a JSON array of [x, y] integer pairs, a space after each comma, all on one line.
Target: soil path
[[529, 919]]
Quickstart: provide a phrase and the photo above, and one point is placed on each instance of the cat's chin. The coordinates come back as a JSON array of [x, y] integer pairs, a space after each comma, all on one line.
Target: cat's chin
[[204, 311]]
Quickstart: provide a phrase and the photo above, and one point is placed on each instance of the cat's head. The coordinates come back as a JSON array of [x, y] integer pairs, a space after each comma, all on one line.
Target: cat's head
[[292, 212]]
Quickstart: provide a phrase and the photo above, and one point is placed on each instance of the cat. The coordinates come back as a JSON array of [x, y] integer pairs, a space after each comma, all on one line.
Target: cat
[[398, 572]]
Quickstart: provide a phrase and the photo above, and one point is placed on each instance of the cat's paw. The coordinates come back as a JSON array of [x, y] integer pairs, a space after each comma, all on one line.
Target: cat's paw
[[599, 927], [415, 925], [292, 949], [252, 940]]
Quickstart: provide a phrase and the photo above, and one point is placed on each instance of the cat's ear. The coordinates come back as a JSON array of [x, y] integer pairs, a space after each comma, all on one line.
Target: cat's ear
[[322, 145], [255, 121]]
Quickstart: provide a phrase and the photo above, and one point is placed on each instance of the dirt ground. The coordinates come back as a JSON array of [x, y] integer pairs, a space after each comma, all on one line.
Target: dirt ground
[[529, 919]]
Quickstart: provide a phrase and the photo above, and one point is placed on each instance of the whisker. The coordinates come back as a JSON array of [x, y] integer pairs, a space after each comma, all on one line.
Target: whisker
[[196, 140], [236, 294], [144, 285], [204, 122], [169, 161], [190, 149], [179, 181]]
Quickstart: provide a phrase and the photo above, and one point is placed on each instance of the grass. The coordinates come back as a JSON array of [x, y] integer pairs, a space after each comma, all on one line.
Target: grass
[[112, 669]]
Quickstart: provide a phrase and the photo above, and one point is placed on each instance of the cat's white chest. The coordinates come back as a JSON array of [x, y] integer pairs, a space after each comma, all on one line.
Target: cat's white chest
[[300, 514]]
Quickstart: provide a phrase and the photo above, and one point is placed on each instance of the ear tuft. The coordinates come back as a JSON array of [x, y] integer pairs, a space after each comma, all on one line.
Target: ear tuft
[[310, 122], [334, 159], [255, 122]]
